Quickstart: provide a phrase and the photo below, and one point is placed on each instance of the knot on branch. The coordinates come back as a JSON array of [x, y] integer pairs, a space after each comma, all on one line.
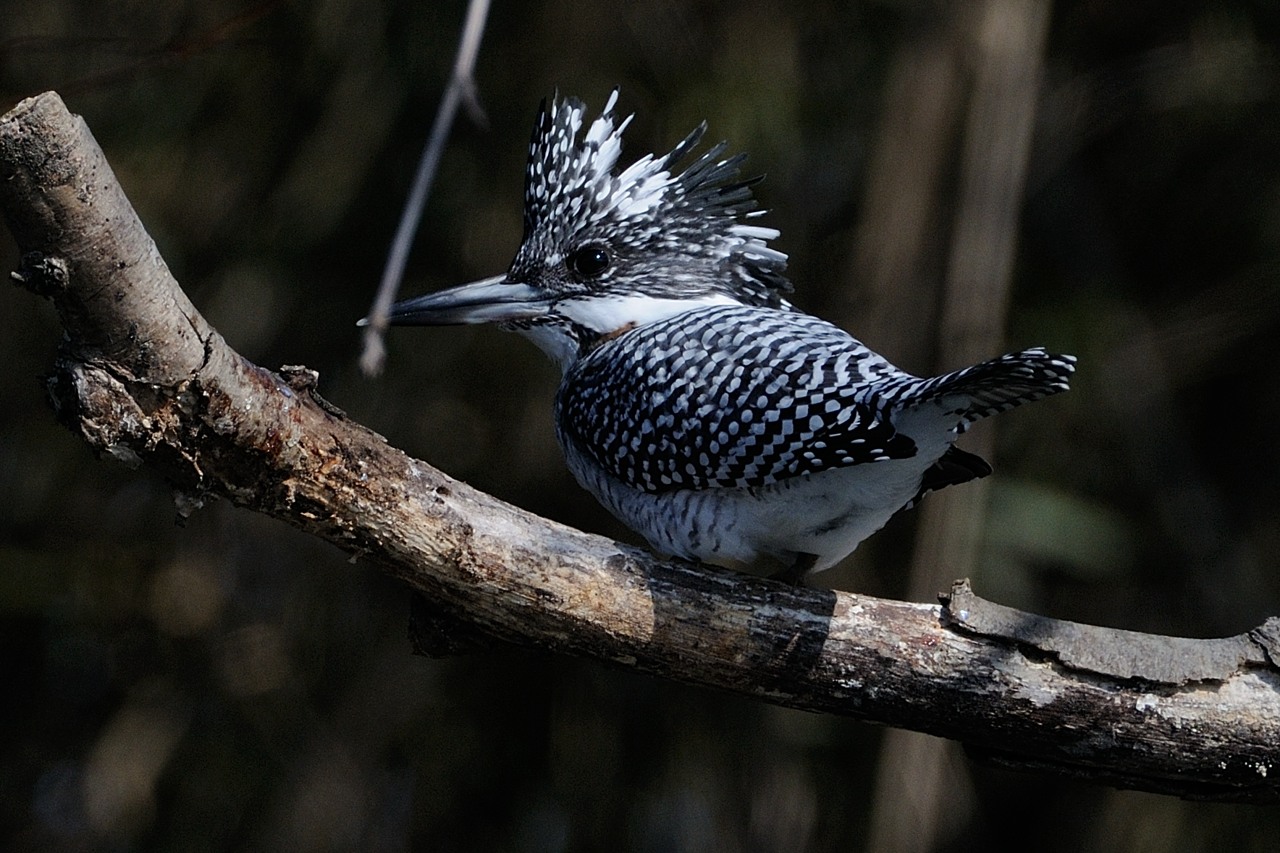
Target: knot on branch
[[95, 404], [43, 275]]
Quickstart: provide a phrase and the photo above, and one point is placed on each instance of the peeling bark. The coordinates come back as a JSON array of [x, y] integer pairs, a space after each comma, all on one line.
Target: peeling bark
[[143, 379], [1129, 655]]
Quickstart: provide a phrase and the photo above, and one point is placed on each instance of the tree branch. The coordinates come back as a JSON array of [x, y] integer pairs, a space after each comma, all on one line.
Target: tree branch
[[143, 378]]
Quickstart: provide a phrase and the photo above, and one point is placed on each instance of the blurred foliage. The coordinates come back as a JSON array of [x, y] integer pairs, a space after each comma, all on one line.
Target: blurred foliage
[[229, 683]]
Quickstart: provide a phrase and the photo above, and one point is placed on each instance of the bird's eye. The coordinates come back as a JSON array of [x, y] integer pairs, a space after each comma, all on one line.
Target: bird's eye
[[589, 261]]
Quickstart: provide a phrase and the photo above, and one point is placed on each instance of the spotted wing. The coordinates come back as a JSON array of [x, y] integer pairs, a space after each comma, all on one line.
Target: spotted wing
[[728, 396]]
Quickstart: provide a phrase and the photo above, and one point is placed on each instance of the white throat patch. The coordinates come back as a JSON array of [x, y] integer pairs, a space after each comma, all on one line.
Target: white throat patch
[[607, 314]]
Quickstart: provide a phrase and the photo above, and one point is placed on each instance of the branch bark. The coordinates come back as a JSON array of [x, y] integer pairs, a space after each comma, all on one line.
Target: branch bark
[[143, 378]]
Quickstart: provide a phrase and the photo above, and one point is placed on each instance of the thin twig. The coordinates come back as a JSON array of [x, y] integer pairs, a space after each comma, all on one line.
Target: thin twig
[[461, 87]]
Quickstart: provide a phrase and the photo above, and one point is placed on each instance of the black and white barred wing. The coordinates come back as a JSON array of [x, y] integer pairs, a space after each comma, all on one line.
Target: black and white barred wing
[[728, 396]]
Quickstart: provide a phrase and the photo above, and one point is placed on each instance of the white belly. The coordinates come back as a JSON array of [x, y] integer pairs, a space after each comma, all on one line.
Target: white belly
[[825, 514]]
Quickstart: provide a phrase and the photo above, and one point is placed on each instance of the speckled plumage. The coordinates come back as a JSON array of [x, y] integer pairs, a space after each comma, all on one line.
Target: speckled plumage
[[742, 397], [697, 403]]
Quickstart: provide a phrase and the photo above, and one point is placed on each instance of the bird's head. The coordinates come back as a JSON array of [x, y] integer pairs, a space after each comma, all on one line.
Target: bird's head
[[607, 250]]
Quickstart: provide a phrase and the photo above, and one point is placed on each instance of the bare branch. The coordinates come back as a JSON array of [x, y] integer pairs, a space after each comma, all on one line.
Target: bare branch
[[461, 89], [142, 377]]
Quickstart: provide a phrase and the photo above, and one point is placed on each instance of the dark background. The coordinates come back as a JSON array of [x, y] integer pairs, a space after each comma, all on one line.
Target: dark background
[[230, 683]]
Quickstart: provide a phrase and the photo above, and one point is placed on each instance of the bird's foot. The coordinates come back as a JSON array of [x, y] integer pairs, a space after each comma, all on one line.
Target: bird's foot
[[794, 574]]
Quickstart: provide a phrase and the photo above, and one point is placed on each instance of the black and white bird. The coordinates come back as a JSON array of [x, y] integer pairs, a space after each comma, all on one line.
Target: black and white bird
[[697, 404]]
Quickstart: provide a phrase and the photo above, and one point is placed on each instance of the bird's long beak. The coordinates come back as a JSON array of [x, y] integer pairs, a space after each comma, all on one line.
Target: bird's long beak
[[490, 300]]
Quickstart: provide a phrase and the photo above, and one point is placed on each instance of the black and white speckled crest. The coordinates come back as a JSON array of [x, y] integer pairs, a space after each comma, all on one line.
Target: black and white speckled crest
[[668, 235], [742, 397]]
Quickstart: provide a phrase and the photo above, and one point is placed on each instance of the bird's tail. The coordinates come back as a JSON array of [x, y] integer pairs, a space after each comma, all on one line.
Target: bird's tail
[[999, 384]]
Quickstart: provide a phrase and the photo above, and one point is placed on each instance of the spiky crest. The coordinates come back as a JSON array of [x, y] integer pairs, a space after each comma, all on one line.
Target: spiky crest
[[654, 220]]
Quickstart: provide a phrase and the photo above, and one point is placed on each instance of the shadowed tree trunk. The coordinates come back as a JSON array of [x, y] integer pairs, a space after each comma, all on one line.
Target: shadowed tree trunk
[[998, 47]]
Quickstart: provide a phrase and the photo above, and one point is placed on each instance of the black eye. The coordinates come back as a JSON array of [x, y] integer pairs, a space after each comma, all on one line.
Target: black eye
[[589, 261]]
